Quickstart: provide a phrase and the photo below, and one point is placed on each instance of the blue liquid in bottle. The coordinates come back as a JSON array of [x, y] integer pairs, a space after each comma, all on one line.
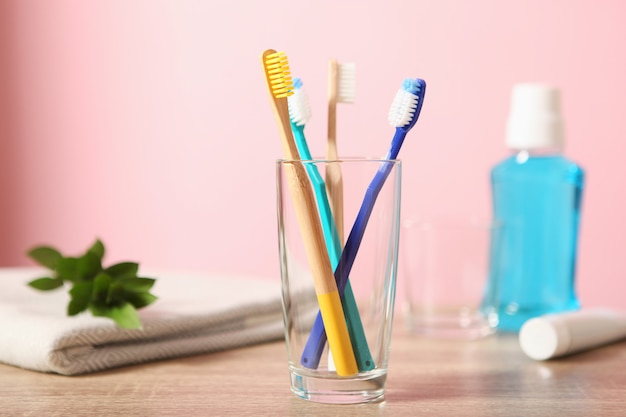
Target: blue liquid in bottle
[[538, 199]]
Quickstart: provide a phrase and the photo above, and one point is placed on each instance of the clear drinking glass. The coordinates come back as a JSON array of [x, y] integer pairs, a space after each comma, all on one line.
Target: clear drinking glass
[[364, 260], [447, 266]]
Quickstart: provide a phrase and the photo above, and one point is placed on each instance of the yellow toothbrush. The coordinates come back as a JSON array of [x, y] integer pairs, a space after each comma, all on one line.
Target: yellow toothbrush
[[280, 86]]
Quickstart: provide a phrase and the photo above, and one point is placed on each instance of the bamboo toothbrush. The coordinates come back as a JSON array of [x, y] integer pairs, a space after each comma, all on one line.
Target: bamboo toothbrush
[[299, 114], [341, 87], [280, 86]]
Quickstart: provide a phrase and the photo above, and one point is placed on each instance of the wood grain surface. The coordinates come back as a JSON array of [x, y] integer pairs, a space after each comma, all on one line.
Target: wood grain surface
[[489, 377]]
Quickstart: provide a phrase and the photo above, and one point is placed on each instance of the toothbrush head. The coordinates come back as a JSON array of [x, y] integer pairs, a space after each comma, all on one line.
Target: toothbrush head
[[280, 87], [299, 105], [278, 73], [407, 104], [346, 83]]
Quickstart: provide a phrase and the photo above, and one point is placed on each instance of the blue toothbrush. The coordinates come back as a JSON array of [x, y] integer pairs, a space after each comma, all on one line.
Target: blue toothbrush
[[299, 114], [403, 115]]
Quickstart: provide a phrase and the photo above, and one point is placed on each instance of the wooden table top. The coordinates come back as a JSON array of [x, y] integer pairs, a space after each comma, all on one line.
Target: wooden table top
[[426, 377]]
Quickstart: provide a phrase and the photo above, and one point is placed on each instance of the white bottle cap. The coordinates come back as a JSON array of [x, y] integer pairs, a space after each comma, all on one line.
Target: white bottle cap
[[535, 117]]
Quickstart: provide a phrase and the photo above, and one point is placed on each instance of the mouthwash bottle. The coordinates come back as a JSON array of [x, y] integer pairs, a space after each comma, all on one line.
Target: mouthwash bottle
[[537, 196]]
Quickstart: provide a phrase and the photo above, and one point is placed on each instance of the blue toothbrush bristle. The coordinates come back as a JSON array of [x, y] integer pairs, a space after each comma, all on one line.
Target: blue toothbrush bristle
[[299, 106], [411, 85]]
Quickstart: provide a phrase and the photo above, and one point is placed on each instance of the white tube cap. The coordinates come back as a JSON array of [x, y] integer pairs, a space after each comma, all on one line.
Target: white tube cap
[[535, 117], [564, 333], [543, 338]]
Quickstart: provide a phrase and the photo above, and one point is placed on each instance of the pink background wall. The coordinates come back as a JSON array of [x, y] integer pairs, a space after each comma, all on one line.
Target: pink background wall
[[146, 122]]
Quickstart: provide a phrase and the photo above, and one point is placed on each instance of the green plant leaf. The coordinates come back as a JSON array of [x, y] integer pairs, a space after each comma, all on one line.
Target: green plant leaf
[[140, 300], [124, 315], [67, 269], [97, 249], [88, 266], [115, 293], [81, 297], [101, 284], [123, 268], [45, 256], [46, 283], [137, 284]]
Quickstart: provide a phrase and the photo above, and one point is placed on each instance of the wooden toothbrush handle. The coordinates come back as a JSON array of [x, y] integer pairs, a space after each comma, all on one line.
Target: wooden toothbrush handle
[[324, 280], [334, 181]]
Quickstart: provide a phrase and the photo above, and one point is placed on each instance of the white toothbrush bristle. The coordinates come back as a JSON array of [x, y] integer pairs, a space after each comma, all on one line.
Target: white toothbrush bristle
[[299, 107], [346, 83], [402, 108]]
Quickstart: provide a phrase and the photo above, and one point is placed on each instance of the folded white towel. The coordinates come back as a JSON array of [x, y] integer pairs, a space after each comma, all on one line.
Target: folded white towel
[[194, 314]]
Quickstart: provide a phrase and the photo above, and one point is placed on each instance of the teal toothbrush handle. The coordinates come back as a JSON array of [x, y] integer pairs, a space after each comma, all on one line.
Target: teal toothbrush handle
[[317, 339]]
